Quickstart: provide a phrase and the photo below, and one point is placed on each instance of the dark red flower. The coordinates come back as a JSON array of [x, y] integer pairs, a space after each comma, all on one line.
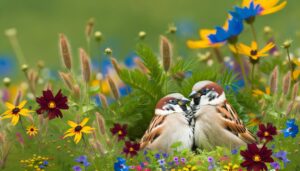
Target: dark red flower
[[120, 130], [51, 105], [266, 132], [255, 158], [131, 148]]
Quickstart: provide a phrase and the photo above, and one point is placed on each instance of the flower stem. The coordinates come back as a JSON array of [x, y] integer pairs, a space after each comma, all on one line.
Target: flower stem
[[252, 79], [253, 32], [239, 60]]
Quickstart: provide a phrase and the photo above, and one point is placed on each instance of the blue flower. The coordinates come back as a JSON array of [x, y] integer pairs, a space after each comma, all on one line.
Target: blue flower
[[275, 165], [165, 155], [161, 162], [41, 166], [83, 160], [77, 168], [7, 65], [234, 151], [281, 155], [291, 129], [157, 156], [45, 163], [235, 27], [246, 13], [120, 165]]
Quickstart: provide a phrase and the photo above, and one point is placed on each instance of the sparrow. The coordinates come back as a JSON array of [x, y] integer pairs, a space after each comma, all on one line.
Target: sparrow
[[171, 123], [216, 121]]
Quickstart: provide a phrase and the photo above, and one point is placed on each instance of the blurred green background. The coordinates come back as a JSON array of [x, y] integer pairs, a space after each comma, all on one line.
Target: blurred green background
[[40, 22]]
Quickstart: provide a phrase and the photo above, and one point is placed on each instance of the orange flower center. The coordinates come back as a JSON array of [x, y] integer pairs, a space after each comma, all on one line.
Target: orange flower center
[[78, 128], [120, 132], [131, 149], [253, 52], [52, 105], [266, 133], [256, 158], [15, 110]]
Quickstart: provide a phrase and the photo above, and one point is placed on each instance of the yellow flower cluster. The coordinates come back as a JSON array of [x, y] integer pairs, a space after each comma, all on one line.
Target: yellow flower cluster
[[36, 163], [186, 168]]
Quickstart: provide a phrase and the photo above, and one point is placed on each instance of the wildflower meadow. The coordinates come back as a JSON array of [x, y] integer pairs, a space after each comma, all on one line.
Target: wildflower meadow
[[223, 98]]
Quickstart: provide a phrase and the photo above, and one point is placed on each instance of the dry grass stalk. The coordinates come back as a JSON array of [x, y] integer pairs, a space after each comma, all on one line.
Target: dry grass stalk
[[286, 83], [65, 51], [85, 65], [103, 100], [100, 123], [113, 88], [115, 65], [289, 108], [18, 98], [76, 91], [166, 52], [67, 79], [295, 91], [274, 80], [141, 65]]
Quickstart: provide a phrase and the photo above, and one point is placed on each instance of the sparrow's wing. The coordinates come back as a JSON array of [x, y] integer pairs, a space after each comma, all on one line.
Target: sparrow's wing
[[233, 124], [153, 132]]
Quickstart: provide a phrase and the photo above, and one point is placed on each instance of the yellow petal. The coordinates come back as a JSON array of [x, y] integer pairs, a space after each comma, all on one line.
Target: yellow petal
[[7, 116], [232, 48], [84, 121], [15, 119], [257, 92], [69, 134], [274, 9], [10, 106], [254, 45], [22, 104], [296, 61], [198, 44], [244, 49], [268, 90], [72, 124], [246, 3], [8, 112], [87, 129], [296, 74], [25, 112], [204, 33], [268, 47], [266, 4], [77, 137]]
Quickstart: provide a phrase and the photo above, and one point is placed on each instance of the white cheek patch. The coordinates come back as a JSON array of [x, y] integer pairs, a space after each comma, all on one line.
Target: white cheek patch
[[168, 109]]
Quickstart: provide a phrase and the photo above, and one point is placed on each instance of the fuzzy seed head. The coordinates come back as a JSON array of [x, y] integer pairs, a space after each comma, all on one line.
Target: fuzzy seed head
[[113, 88], [267, 30], [115, 65], [295, 91], [142, 35], [65, 51], [85, 65], [274, 80], [287, 44], [67, 79], [24, 68], [103, 100], [108, 51], [286, 82], [98, 36], [89, 27], [6, 81], [166, 52], [12, 32]]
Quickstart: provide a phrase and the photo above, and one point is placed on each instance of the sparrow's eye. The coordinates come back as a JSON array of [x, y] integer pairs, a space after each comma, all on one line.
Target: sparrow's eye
[[173, 102], [204, 91]]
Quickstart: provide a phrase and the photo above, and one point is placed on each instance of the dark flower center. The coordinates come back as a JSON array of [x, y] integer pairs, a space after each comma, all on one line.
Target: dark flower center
[[51, 105], [256, 158], [78, 128], [15, 110], [253, 52], [31, 129], [266, 133]]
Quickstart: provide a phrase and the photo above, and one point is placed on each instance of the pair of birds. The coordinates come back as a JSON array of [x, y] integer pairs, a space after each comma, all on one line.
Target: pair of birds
[[208, 122]]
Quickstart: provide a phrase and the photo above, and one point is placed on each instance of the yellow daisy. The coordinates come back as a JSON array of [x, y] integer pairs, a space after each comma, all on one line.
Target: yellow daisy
[[231, 167], [31, 130], [78, 129], [267, 6], [296, 72], [252, 51], [14, 112]]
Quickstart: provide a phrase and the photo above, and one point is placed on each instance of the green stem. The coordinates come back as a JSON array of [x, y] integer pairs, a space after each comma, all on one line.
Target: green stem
[[239, 60], [252, 79], [290, 62], [253, 32], [17, 49]]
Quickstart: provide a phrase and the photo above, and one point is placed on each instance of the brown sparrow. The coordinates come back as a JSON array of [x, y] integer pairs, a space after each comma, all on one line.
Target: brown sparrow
[[216, 122], [171, 124]]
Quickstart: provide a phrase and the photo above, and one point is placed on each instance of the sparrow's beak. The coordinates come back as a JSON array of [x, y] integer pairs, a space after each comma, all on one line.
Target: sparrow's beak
[[193, 94], [183, 101]]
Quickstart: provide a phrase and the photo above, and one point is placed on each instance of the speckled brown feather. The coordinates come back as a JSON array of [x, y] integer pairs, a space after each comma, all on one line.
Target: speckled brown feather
[[153, 131], [234, 124]]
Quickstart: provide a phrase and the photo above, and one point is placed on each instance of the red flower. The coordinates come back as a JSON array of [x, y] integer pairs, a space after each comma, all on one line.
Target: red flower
[[52, 105], [131, 148], [266, 132], [255, 158], [120, 130]]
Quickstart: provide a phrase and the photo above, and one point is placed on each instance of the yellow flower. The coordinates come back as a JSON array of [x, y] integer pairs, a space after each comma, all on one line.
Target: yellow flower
[[252, 51], [267, 6], [31, 130], [296, 72], [78, 129], [14, 112], [204, 41], [257, 92], [231, 167]]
